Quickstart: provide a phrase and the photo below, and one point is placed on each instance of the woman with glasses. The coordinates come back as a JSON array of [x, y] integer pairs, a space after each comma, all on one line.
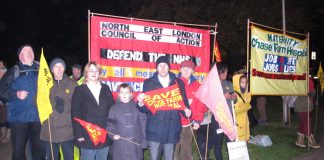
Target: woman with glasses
[[91, 102]]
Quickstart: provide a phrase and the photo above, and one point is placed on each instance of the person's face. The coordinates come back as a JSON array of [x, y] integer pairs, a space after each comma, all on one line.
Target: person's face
[[26, 56], [93, 73], [223, 76], [186, 72], [58, 71], [125, 95], [243, 82], [163, 69], [76, 72]]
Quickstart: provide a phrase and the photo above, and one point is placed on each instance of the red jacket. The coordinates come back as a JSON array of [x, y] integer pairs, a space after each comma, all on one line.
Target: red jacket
[[197, 107]]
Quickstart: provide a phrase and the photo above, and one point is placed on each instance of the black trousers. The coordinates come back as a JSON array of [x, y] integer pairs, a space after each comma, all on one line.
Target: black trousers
[[20, 133]]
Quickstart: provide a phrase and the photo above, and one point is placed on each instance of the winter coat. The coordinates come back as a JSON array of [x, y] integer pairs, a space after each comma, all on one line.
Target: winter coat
[[85, 107], [125, 120], [197, 107], [23, 110], [163, 126], [61, 122], [241, 108], [301, 101]]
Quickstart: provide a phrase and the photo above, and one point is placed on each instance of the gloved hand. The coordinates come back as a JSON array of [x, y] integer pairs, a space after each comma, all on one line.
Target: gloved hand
[[59, 104]]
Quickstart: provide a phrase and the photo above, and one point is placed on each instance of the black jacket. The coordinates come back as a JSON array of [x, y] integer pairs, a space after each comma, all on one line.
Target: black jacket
[[163, 126], [85, 107]]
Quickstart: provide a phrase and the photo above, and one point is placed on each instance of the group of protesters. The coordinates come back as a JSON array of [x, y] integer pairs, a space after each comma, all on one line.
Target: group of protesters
[[131, 126]]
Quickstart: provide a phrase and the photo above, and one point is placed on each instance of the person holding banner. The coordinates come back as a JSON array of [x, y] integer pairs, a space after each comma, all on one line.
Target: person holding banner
[[91, 102], [163, 124], [304, 120], [183, 148], [60, 133], [125, 120], [19, 89], [230, 96], [242, 106]]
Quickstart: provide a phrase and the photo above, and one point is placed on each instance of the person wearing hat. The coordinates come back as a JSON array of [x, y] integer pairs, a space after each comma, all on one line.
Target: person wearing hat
[[163, 128], [183, 148], [60, 120], [19, 90], [77, 73]]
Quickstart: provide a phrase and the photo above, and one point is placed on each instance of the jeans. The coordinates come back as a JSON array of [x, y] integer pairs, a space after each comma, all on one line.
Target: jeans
[[20, 133], [95, 154], [67, 149], [156, 149], [183, 149]]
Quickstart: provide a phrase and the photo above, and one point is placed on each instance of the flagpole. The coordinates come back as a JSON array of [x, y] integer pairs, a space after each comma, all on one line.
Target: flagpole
[[124, 139], [213, 59], [194, 139], [50, 137], [207, 136]]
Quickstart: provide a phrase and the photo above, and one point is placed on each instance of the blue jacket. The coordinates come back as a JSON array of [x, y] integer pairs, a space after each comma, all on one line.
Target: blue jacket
[[163, 126], [24, 110]]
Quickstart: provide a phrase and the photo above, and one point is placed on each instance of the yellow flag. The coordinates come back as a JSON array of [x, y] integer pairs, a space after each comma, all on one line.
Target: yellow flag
[[321, 77], [44, 84]]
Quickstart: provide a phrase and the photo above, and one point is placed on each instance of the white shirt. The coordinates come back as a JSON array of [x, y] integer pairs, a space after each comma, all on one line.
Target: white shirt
[[95, 90]]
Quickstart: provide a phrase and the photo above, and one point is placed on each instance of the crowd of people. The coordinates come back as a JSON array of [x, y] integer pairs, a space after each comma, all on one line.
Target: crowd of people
[[83, 95]]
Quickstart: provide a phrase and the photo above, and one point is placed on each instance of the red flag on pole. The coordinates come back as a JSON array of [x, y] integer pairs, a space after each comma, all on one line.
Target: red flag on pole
[[211, 94], [96, 133], [217, 53]]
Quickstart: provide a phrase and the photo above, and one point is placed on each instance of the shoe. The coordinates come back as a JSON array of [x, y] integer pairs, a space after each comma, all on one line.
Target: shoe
[[263, 122], [300, 140], [312, 143]]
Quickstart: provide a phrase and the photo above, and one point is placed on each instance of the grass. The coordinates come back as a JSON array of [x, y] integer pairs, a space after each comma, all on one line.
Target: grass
[[283, 137]]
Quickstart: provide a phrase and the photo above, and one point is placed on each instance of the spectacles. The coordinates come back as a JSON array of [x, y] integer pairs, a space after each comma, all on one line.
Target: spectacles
[[93, 71]]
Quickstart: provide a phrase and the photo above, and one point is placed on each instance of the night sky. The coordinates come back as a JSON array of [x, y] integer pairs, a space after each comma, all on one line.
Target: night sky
[[60, 26]]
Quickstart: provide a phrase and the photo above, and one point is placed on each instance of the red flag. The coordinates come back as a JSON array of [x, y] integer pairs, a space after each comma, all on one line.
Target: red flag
[[164, 99], [217, 53], [96, 133], [211, 94]]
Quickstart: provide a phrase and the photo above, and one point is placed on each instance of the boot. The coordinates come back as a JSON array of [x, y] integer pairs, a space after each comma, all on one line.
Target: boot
[[7, 137], [2, 133], [312, 143], [300, 140]]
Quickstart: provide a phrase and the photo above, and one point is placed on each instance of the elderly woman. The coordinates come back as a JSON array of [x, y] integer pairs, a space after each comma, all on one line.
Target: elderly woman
[[91, 102]]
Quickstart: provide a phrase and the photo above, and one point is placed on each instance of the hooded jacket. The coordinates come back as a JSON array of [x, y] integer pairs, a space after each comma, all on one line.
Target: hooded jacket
[[241, 108]]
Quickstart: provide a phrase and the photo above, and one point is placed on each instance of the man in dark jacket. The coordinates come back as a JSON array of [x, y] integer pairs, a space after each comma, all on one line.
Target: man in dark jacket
[[163, 128], [21, 84]]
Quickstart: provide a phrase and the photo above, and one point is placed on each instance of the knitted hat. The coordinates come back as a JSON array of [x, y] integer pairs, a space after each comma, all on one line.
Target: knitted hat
[[23, 46], [78, 66], [163, 59], [187, 63], [55, 61]]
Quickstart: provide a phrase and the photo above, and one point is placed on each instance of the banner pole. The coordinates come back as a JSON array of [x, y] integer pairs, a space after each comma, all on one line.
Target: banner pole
[[248, 53], [307, 90], [89, 47]]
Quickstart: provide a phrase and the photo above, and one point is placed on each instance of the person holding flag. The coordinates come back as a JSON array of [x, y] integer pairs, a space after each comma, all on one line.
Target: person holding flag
[[163, 126], [19, 91], [57, 130], [183, 148], [91, 102]]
